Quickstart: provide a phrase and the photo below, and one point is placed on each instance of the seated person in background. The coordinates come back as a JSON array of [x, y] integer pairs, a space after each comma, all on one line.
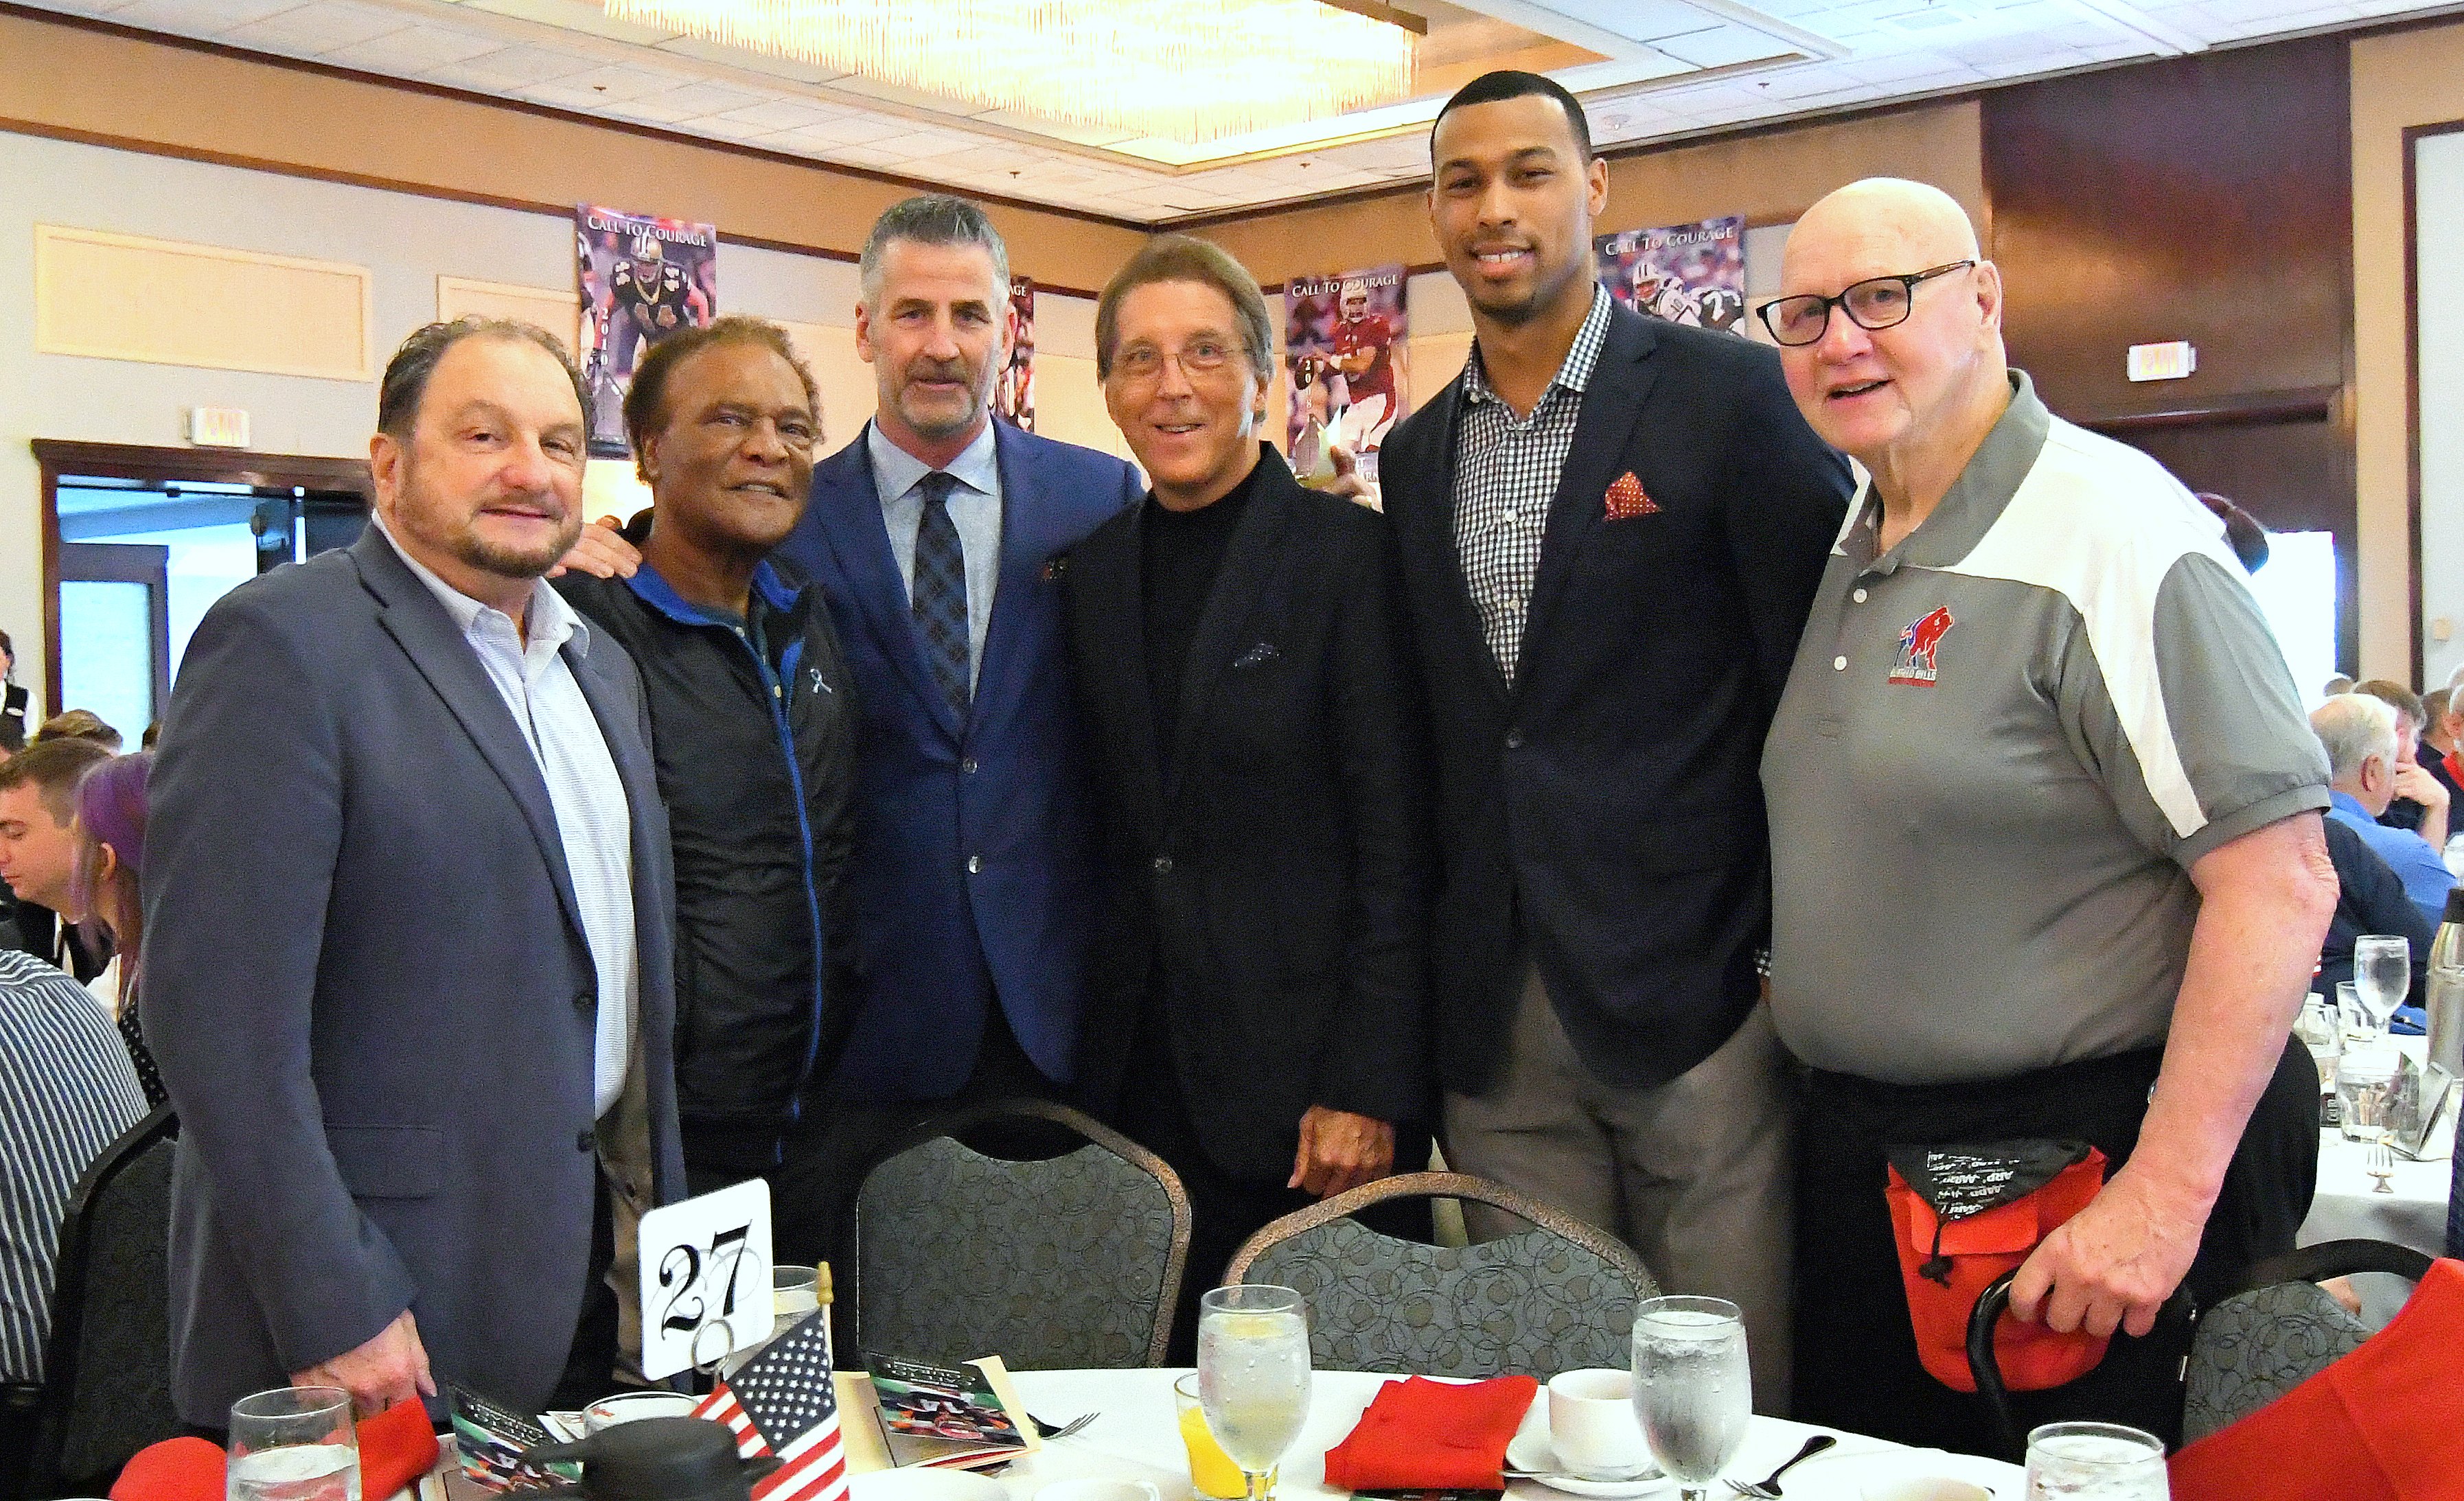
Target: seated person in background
[[37, 805], [2439, 755], [103, 870], [77, 724], [2421, 800], [2361, 736], [66, 1092], [14, 700], [2372, 899], [2338, 684]]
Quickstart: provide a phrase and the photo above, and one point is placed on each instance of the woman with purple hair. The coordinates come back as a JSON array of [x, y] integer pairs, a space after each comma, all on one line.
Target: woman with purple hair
[[110, 854]]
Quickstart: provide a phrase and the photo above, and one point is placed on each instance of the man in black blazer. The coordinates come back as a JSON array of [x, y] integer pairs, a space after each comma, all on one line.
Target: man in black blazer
[[409, 965], [1259, 1008], [1610, 528]]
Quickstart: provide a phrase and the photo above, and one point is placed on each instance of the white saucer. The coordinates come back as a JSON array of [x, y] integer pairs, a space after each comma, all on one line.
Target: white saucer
[[1531, 1452]]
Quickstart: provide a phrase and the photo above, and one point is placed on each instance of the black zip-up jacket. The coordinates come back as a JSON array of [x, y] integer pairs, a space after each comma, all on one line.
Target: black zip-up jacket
[[753, 732]]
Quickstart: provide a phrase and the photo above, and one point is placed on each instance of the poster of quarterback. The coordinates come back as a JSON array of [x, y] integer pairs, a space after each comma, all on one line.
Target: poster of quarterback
[[641, 279], [1350, 368], [1014, 396], [1686, 273]]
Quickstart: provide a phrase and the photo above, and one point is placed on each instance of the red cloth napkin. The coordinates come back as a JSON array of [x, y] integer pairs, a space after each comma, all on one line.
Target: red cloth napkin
[[1424, 1435], [396, 1448], [2383, 1424]]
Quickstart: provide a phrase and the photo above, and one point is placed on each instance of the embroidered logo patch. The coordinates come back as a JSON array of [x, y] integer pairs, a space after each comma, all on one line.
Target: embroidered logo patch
[[1918, 644], [1626, 498]]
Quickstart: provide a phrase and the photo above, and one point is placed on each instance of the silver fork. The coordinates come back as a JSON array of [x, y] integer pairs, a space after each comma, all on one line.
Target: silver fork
[[2381, 1164], [1767, 1488], [1066, 1429]]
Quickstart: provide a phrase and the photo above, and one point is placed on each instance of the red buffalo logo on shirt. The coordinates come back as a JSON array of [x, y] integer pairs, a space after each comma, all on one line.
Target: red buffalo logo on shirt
[[1917, 646]]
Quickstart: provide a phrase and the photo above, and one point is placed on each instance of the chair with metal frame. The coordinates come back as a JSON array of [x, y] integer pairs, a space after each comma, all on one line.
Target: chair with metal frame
[[1070, 1262], [1557, 1296], [106, 1389]]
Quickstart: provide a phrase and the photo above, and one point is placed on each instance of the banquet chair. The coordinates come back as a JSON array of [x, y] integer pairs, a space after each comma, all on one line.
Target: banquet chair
[[106, 1367], [1557, 1296], [1070, 1262]]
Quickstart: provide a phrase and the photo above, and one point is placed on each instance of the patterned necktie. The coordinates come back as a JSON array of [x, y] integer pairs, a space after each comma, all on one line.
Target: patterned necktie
[[938, 597]]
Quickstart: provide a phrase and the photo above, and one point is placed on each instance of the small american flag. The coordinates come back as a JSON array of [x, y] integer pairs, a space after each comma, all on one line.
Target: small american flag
[[782, 1402]]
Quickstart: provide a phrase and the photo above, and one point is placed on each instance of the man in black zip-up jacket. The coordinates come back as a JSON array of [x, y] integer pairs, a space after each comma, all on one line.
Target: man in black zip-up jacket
[[752, 731]]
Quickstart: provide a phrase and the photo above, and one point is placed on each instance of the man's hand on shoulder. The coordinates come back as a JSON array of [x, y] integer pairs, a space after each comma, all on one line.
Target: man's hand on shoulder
[[2113, 1264], [390, 1368], [600, 551]]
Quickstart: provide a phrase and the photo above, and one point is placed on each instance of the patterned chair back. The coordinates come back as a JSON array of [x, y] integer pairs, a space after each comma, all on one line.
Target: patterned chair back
[[1557, 1296], [2255, 1346], [1068, 1263]]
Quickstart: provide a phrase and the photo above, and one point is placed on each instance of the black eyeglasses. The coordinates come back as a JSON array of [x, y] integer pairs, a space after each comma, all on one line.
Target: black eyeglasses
[[1878, 302]]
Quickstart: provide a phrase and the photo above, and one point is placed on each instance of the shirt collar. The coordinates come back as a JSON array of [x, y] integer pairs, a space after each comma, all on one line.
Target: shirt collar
[[1975, 500], [552, 622], [895, 470], [652, 588], [2347, 802], [1575, 373]]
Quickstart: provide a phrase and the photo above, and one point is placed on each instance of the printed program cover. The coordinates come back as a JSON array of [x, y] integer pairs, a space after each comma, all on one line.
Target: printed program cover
[[942, 1415]]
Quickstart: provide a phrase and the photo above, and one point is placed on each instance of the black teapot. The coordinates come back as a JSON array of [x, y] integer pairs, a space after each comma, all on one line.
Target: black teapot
[[656, 1459]]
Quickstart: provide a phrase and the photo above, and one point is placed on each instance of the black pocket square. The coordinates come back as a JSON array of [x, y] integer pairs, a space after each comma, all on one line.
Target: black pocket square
[[1262, 653]]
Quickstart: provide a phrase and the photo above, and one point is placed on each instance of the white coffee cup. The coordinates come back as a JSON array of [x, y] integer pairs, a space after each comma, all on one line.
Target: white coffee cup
[[1925, 1487], [633, 1406], [1592, 1424], [1098, 1491]]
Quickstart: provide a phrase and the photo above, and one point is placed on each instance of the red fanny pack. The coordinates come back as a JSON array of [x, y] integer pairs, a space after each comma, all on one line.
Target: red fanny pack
[[1963, 1216]]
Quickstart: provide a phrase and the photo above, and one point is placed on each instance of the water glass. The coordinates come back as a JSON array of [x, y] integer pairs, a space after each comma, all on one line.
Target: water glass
[[2365, 1089], [1253, 1376], [2324, 1035], [1211, 1470], [1693, 1392], [2352, 1017], [2382, 974], [2095, 1461], [293, 1444]]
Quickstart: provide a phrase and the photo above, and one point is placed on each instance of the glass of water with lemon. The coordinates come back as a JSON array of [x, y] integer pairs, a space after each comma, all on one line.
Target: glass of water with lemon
[[1253, 1377]]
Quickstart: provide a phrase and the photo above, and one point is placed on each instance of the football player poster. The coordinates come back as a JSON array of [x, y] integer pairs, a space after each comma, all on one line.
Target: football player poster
[[1014, 398], [1686, 273], [642, 279], [1345, 352]]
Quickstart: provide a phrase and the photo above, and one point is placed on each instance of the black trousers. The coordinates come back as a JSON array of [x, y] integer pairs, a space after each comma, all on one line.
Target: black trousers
[[591, 1366], [1856, 1365]]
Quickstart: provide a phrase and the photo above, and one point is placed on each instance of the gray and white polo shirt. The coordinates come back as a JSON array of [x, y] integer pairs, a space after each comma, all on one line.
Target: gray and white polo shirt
[[2002, 746]]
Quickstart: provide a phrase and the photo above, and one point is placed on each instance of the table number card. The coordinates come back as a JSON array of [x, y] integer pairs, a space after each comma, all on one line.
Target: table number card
[[706, 1285]]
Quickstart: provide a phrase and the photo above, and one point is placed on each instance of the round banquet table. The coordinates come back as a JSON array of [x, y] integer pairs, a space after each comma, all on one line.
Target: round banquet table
[[2412, 1213], [1138, 1438]]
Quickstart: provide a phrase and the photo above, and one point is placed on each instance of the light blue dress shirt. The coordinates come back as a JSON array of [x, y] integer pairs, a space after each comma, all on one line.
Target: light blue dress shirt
[[593, 820], [2425, 876], [975, 508]]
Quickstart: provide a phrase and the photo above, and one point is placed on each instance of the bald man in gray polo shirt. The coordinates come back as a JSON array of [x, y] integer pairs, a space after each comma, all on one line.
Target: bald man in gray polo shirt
[[2046, 842]]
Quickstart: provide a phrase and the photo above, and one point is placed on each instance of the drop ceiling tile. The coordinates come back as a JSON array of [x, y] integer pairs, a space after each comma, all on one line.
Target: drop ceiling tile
[[924, 144], [646, 112], [313, 29], [696, 99], [517, 67], [198, 17], [1635, 20], [411, 50], [620, 82], [1722, 47], [777, 114]]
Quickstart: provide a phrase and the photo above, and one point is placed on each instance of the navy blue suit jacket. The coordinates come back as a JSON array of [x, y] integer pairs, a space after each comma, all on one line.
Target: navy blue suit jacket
[[973, 878], [367, 984]]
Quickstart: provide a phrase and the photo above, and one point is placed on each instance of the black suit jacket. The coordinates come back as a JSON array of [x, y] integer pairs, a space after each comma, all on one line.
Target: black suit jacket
[[1605, 814], [1276, 882]]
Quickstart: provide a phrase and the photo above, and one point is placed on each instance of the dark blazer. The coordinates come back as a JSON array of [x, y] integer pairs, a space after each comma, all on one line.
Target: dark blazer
[[2370, 899], [1605, 815], [1276, 881], [973, 875], [368, 989]]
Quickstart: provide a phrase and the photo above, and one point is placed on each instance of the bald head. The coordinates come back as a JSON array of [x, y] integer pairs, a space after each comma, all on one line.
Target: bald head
[[1913, 398]]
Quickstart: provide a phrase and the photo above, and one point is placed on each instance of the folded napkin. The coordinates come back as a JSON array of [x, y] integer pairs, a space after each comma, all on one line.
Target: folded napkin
[[396, 1448], [2383, 1424], [2409, 1021], [1424, 1435]]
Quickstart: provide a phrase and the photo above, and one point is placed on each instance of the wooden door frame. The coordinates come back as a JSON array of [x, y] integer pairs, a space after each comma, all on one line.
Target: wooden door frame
[[58, 458]]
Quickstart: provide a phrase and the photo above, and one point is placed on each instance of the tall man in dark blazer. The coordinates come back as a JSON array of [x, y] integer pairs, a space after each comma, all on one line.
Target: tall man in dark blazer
[[1611, 528], [959, 944], [1260, 749], [408, 967]]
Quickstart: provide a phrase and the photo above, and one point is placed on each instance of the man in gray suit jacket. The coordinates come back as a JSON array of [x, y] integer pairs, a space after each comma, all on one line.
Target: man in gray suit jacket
[[408, 957]]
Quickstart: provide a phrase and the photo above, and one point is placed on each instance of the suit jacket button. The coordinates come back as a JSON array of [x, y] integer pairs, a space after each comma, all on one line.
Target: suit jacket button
[[588, 1141], [968, 765], [1514, 740], [975, 865], [1163, 865]]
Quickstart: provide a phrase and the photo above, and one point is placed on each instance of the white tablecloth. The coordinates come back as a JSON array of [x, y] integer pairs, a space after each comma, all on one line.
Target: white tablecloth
[[1138, 1438], [2347, 1207]]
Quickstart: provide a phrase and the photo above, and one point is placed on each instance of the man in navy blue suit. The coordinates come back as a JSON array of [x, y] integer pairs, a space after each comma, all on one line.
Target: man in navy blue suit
[[959, 949]]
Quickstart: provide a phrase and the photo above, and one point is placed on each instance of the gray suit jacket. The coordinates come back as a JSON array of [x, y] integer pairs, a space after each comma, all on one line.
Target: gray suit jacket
[[367, 986]]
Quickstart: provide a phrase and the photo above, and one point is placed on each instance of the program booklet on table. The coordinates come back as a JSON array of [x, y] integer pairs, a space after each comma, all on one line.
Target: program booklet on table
[[951, 1417]]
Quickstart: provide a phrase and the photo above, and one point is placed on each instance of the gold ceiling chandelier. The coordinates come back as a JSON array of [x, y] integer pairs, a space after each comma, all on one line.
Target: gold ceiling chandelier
[[1191, 71]]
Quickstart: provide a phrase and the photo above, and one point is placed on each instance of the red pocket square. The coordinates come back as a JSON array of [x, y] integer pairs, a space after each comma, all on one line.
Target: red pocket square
[[1626, 499]]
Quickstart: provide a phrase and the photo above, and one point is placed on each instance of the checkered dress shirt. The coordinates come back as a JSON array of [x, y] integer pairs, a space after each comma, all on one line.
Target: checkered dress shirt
[[1505, 473]]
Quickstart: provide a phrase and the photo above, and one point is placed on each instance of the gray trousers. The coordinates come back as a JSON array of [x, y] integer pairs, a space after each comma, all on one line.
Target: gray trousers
[[1695, 1174]]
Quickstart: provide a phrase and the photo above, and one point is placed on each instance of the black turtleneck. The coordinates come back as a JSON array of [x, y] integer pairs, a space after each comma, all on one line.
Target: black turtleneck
[[1180, 553]]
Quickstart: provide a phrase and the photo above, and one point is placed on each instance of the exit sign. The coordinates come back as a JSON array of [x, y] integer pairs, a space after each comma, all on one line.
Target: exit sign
[[218, 427], [2163, 361]]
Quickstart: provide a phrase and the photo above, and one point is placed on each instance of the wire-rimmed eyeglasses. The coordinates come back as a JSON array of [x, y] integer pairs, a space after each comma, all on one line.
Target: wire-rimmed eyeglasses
[[1878, 302]]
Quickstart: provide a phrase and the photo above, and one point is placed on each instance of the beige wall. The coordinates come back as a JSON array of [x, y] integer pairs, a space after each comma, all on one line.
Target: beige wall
[[2400, 79], [1770, 176]]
